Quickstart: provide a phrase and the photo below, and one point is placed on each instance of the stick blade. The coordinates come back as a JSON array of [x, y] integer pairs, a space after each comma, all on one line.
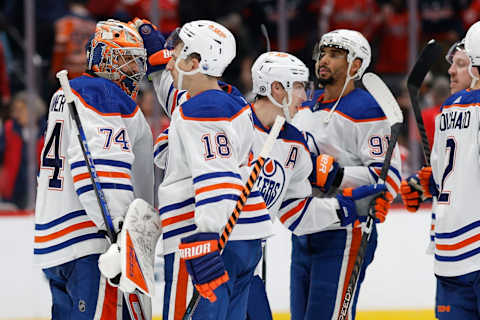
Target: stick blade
[[427, 58], [379, 90]]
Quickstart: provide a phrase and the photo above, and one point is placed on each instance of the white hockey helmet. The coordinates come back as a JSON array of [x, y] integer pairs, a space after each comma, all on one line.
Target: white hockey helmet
[[278, 66], [350, 40], [472, 49], [213, 42]]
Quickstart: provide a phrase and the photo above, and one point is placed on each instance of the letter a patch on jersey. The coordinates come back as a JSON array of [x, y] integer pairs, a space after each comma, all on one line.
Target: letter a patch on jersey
[[292, 157]]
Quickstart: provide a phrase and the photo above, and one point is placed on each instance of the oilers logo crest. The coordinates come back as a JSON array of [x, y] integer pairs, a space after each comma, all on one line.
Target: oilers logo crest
[[271, 182]]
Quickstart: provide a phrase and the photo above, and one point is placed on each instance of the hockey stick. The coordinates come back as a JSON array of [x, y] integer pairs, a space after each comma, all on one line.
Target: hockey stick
[[389, 105], [265, 34], [427, 58], [102, 203], [232, 221]]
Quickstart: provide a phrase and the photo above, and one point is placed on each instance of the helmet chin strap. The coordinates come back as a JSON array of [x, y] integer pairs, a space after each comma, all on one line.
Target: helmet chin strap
[[284, 105], [347, 79], [181, 73], [474, 78]]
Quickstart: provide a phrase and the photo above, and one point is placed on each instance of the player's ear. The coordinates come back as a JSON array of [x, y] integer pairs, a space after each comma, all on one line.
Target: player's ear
[[357, 63]]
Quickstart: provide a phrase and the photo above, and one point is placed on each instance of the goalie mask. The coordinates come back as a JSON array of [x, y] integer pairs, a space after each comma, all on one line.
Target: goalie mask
[[213, 42], [279, 67], [116, 53]]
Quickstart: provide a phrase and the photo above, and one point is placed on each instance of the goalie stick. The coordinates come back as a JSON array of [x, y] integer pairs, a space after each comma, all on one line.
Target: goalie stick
[[132, 299], [427, 58], [232, 221], [389, 105]]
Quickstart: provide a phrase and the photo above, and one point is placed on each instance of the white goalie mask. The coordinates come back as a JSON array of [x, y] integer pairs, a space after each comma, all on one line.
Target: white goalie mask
[[283, 68], [212, 41], [472, 49]]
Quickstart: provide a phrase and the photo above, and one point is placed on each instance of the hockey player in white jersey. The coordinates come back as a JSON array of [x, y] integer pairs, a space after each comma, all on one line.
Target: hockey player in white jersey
[[68, 220], [279, 82], [460, 79], [209, 146], [453, 180], [348, 124]]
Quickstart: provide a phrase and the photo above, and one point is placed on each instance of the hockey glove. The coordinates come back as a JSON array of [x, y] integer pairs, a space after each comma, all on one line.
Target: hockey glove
[[326, 174], [428, 184], [109, 261], [411, 191], [360, 202], [204, 263], [153, 42]]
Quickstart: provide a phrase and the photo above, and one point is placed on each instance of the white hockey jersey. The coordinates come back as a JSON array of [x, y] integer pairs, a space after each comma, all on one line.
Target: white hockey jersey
[[356, 136], [455, 163], [209, 145], [284, 182], [67, 215]]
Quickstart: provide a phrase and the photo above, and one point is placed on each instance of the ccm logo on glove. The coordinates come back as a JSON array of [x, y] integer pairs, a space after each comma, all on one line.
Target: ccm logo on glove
[[199, 249]]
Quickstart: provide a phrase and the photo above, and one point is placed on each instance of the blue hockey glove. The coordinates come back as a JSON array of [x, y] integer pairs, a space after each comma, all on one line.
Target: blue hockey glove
[[357, 204], [326, 174], [153, 42], [204, 263]]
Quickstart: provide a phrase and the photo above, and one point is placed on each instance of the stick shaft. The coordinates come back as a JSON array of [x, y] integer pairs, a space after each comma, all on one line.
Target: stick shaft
[[352, 283], [82, 139]]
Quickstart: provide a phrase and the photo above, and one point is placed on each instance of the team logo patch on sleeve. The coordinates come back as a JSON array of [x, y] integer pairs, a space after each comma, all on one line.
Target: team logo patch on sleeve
[[271, 182]]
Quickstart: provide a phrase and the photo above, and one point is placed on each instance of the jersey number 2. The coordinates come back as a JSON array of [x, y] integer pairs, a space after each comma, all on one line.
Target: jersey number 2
[[53, 159], [444, 196]]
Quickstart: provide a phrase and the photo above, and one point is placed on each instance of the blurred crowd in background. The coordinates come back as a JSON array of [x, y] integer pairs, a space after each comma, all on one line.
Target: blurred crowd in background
[[62, 28]]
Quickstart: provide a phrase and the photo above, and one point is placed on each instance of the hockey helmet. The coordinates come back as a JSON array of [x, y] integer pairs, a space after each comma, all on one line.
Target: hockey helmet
[[351, 41], [278, 66], [472, 49]]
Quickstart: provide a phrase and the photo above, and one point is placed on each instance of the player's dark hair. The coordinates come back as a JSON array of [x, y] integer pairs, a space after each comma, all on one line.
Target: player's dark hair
[[195, 55]]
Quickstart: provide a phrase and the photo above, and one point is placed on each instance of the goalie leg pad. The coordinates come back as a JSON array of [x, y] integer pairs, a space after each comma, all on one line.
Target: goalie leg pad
[[138, 241]]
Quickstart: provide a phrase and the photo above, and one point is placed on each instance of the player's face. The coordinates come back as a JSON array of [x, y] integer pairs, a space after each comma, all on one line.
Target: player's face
[[459, 77], [128, 65], [182, 64], [331, 66], [298, 97]]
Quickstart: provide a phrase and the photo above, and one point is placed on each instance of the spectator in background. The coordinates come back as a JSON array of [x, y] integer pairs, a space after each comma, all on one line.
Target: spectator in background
[[229, 14], [167, 13], [13, 149], [72, 32], [440, 19], [393, 40], [440, 92], [4, 82], [359, 15]]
